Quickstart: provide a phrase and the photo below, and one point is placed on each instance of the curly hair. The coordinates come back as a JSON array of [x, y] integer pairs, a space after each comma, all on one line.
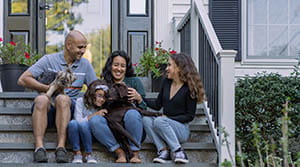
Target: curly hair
[[106, 72], [89, 96], [188, 74]]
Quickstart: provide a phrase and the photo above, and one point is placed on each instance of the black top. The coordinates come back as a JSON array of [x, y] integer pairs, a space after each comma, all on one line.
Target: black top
[[181, 107]]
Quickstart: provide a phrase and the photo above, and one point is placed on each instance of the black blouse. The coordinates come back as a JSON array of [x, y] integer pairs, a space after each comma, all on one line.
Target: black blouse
[[181, 107]]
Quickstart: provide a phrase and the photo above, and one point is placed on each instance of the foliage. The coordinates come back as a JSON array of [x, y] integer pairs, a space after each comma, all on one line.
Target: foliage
[[100, 47], [260, 99], [60, 15], [152, 59], [14, 53], [267, 153]]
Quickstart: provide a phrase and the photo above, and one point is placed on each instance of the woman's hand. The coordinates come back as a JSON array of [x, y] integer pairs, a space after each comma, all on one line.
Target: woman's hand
[[134, 95], [101, 112]]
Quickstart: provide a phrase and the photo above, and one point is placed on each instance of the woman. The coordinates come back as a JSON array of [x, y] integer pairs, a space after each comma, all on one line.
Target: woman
[[86, 108], [178, 96], [118, 68]]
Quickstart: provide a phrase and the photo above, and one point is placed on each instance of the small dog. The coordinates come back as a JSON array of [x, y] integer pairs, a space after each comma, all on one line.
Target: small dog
[[58, 82]]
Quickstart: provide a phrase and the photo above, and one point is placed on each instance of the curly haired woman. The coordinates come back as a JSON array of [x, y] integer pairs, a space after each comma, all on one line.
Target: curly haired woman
[[178, 97]]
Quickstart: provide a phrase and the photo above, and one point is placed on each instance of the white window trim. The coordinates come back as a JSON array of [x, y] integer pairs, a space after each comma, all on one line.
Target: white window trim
[[244, 60]]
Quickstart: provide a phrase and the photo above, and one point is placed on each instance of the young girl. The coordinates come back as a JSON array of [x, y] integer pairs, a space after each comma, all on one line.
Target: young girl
[[78, 129], [178, 96]]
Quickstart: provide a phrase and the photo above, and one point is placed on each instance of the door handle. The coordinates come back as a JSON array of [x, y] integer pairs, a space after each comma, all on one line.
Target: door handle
[[44, 7]]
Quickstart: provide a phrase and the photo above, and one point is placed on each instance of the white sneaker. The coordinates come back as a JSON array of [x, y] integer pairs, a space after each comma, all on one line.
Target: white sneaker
[[90, 159], [77, 159]]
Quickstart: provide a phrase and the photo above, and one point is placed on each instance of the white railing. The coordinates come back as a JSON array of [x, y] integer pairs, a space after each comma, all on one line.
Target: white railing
[[223, 116]]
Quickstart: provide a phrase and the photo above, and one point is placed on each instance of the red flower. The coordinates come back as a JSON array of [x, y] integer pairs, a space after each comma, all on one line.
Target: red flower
[[156, 65], [156, 48], [135, 64], [27, 55], [173, 52], [164, 51], [1, 39], [12, 43]]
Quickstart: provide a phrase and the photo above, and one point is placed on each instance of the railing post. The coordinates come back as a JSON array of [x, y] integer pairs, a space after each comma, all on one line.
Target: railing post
[[226, 104], [194, 34]]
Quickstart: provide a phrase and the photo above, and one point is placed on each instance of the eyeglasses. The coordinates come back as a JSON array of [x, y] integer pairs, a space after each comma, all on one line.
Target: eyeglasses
[[100, 96]]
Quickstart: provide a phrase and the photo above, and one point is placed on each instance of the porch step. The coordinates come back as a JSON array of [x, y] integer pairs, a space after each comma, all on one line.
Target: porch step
[[22, 152], [17, 143], [103, 164]]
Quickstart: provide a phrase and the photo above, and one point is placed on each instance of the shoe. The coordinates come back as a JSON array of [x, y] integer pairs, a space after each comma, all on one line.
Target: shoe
[[90, 159], [181, 157], [77, 159], [61, 155], [40, 155], [163, 157]]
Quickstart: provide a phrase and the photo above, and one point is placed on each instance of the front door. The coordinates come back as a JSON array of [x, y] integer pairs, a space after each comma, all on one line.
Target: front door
[[107, 24]]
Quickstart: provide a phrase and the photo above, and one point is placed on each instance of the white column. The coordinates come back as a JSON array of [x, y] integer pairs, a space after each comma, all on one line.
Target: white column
[[226, 103]]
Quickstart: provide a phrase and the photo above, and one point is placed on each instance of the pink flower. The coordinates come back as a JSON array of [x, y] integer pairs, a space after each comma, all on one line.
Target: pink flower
[[157, 42], [173, 52], [1, 39], [27, 55], [12, 43], [135, 64]]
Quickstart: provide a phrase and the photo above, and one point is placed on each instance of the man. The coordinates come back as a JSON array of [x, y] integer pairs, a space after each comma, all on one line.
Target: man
[[44, 115]]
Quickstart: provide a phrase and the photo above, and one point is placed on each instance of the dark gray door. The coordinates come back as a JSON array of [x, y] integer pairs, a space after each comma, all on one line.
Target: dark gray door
[[133, 26], [19, 21]]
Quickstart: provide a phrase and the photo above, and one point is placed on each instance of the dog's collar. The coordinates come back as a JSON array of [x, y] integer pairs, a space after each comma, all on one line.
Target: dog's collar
[[102, 87]]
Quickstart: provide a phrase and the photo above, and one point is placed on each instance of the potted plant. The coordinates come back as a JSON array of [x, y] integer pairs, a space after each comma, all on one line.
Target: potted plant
[[154, 62], [15, 59]]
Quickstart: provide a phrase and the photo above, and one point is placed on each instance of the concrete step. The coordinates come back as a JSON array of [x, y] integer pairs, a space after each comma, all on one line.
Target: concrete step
[[24, 133], [103, 164], [22, 152]]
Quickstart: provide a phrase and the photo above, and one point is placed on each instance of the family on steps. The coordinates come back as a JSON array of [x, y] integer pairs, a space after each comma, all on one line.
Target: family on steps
[[85, 119]]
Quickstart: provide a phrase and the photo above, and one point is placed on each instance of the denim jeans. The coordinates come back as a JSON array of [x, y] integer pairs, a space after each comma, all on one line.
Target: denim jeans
[[165, 132], [80, 131], [132, 122]]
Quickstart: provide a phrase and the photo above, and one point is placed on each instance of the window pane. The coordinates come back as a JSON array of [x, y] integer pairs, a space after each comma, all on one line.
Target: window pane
[[20, 38], [278, 11], [294, 12], [294, 41], [257, 12], [137, 7], [257, 41], [19, 7], [91, 17], [278, 40]]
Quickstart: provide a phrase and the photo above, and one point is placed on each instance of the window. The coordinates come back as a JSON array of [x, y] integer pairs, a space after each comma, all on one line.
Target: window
[[18, 7], [137, 7], [273, 29]]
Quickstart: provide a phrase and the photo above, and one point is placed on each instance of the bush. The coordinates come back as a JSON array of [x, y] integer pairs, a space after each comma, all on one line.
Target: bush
[[261, 99]]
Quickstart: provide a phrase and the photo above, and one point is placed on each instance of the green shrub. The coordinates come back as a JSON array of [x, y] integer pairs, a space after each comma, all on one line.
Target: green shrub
[[261, 99]]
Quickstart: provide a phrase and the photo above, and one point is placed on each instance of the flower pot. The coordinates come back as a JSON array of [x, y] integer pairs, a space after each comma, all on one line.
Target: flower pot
[[156, 83], [10, 74]]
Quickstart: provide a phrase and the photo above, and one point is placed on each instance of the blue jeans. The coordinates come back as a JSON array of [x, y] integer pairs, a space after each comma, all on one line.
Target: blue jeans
[[132, 122], [80, 131], [165, 132]]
